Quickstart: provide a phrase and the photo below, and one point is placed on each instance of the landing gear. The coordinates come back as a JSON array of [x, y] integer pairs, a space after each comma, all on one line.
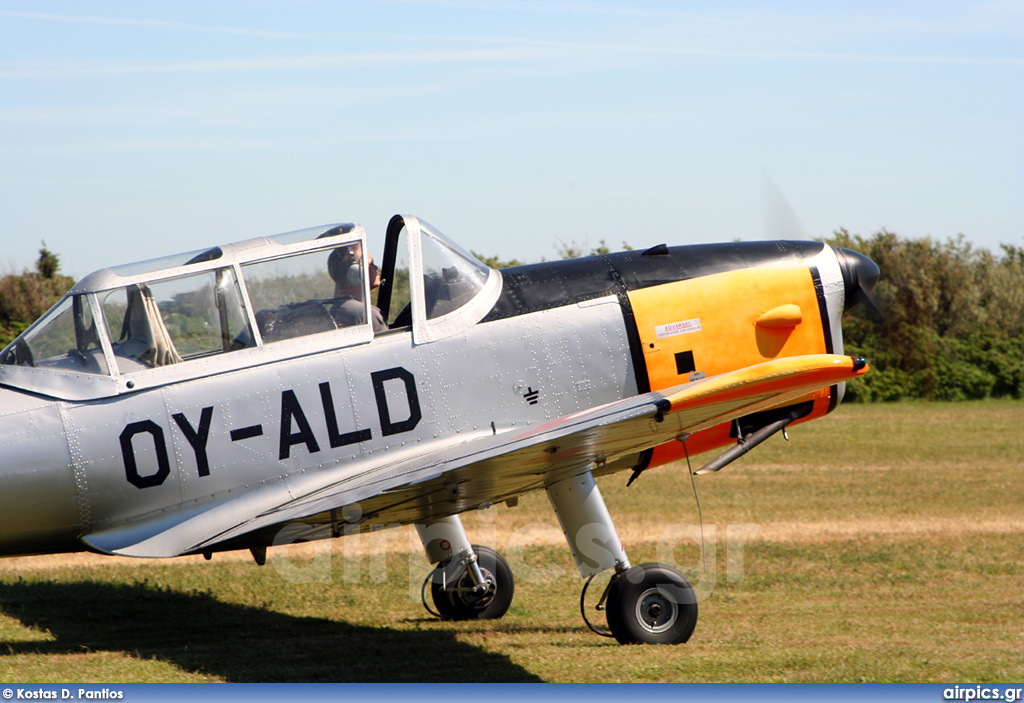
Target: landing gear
[[646, 604], [463, 599], [470, 582], [651, 604]]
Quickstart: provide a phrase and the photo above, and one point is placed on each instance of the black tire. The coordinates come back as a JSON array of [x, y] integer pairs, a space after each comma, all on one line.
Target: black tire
[[651, 604], [464, 605]]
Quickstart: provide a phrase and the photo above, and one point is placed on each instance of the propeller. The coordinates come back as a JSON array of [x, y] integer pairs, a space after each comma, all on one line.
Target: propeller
[[778, 218], [860, 274], [780, 221]]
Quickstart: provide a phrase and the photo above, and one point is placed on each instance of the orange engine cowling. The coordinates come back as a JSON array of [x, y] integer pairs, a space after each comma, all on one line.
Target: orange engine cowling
[[712, 324]]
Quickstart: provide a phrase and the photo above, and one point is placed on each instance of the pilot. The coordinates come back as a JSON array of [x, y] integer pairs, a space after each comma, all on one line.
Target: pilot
[[344, 267]]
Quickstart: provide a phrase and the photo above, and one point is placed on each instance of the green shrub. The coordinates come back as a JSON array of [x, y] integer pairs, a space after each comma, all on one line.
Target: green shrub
[[952, 326]]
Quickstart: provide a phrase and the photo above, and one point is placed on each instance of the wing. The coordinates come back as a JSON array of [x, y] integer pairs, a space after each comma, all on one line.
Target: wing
[[486, 470]]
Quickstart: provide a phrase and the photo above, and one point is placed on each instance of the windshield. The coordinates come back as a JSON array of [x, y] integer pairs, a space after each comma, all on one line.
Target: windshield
[[451, 277]]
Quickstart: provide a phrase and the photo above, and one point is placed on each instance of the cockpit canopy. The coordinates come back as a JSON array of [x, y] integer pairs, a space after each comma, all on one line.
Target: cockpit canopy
[[255, 301]]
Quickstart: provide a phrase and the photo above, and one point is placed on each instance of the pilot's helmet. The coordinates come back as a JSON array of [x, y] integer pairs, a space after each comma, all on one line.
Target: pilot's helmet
[[343, 266]]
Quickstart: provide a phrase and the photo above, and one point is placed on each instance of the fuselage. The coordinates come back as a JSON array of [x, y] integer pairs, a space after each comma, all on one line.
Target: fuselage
[[553, 339]]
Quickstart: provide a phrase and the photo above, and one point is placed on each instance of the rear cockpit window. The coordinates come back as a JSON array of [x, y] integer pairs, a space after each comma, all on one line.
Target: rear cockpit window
[[167, 322], [168, 262]]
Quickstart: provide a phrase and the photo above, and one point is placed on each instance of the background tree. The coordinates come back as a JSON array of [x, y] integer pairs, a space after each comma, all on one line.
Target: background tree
[[48, 263], [952, 320], [496, 262], [26, 296], [575, 250]]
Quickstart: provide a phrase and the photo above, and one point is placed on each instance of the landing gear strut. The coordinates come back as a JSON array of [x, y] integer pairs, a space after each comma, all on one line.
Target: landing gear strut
[[649, 603]]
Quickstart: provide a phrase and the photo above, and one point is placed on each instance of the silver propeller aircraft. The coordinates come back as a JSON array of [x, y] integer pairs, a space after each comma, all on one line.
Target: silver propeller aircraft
[[207, 401]]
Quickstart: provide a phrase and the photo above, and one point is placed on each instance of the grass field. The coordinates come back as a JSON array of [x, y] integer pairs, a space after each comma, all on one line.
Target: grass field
[[883, 543]]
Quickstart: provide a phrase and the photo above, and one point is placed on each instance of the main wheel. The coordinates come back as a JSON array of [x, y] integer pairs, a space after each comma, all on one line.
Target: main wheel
[[461, 602], [651, 604]]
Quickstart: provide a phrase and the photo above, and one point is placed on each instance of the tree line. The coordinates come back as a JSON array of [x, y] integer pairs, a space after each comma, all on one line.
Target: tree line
[[950, 324]]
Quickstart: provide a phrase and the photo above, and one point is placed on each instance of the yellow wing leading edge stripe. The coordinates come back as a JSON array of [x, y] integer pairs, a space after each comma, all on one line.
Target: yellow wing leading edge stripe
[[802, 374]]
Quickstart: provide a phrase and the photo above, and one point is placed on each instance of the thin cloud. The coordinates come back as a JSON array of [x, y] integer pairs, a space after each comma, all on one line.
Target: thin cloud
[[292, 63], [157, 24], [844, 57], [999, 17], [530, 53]]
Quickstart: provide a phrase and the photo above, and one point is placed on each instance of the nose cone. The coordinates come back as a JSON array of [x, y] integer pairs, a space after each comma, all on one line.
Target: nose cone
[[860, 274]]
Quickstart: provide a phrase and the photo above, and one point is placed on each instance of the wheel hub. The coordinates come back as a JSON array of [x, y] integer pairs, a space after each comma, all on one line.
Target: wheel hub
[[655, 611], [476, 594]]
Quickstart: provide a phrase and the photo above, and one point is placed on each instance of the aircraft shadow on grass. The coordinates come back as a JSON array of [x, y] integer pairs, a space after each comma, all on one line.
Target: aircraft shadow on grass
[[198, 633]]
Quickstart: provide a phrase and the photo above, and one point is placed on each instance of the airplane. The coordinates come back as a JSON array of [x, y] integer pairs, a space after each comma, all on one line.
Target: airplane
[[212, 400]]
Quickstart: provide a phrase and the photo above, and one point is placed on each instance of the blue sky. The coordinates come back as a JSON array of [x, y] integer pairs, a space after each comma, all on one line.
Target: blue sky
[[130, 130]]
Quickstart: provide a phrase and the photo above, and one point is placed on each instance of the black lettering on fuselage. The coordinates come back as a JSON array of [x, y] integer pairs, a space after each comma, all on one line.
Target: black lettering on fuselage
[[243, 433], [131, 469], [295, 427], [197, 438], [331, 418], [387, 425], [290, 409]]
